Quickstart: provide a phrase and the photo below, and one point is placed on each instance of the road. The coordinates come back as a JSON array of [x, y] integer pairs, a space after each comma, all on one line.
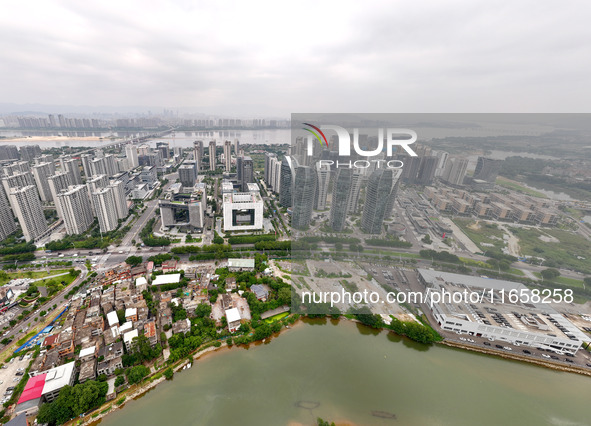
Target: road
[[60, 300]]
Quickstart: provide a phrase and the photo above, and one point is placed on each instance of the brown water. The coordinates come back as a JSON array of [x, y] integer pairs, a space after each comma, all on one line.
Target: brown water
[[350, 372]]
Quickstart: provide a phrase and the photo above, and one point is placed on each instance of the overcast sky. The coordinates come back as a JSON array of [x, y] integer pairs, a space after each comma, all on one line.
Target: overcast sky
[[274, 58]]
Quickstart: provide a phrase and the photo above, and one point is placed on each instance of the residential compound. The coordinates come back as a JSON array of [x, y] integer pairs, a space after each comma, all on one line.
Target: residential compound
[[79, 188], [507, 207], [531, 324]]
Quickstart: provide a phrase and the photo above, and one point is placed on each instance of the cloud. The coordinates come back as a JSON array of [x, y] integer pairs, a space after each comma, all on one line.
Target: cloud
[[269, 57]]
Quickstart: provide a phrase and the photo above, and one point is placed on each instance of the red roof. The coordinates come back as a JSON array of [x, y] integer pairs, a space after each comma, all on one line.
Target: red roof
[[33, 389], [50, 340]]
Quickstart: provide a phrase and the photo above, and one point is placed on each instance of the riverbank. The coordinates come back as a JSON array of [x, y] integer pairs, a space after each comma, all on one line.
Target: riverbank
[[53, 139], [140, 391]]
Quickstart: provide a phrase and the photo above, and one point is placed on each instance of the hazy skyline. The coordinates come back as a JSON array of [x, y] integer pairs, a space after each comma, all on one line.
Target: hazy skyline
[[266, 58]]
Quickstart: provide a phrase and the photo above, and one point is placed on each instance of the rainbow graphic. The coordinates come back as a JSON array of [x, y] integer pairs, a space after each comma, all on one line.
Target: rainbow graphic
[[316, 134]]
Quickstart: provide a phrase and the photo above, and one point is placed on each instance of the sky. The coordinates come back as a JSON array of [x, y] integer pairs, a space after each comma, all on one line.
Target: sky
[[272, 58]]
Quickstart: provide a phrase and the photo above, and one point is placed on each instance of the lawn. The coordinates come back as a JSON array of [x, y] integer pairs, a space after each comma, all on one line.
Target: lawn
[[276, 317], [559, 254], [481, 233], [7, 276], [571, 282]]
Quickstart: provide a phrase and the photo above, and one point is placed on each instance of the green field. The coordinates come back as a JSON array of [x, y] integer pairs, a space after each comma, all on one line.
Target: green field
[[7, 276], [571, 282], [515, 186], [481, 234], [276, 317], [563, 254]]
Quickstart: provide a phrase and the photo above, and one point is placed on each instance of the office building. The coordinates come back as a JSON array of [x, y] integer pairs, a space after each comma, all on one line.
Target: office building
[[41, 173], [75, 209], [228, 156], [323, 179], [276, 175], [131, 155], [212, 158], [27, 207], [340, 198], [119, 194], [377, 197], [163, 149], [184, 210], [455, 171], [242, 211], [7, 223], [246, 173], [287, 176], [103, 201], [187, 174], [198, 153], [487, 169], [305, 184]]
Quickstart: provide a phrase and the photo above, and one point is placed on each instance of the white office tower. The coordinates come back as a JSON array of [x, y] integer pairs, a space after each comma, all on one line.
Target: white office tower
[[198, 153], [41, 173], [27, 206], [212, 159], [323, 179], [7, 223], [455, 171], [276, 175], [356, 182], [85, 159], [75, 209], [103, 201], [58, 183], [131, 154], [110, 165], [120, 199], [70, 165], [228, 155]]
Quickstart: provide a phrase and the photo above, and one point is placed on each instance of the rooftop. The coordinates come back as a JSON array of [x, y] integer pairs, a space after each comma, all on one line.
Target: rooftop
[[168, 279]]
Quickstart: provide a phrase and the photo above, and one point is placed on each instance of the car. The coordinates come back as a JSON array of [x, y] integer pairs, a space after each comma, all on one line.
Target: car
[[491, 339], [554, 357], [569, 354], [462, 339], [525, 351], [486, 343], [1, 381], [470, 340], [10, 388], [16, 379], [499, 346], [588, 365], [507, 348], [516, 344], [568, 360], [19, 373], [546, 355], [20, 358]]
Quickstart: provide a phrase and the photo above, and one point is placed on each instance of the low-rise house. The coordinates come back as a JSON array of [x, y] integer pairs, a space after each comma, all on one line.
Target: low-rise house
[[111, 351], [260, 292], [240, 265], [183, 326], [131, 314], [165, 317], [227, 302], [231, 283], [128, 338], [87, 370], [169, 265], [150, 332], [108, 367], [233, 319]]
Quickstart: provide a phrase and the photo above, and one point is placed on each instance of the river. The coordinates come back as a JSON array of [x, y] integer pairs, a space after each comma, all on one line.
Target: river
[[352, 371]]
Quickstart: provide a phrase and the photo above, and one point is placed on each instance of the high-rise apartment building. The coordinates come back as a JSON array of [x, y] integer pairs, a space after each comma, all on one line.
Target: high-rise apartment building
[[7, 223], [340, 198], [377, 199], [303, 196], [131, 155], [120, 197], [323, 179], [70, 165], [288, 168], [27, 207], [41, 173], [105, 208], [75, 209], [246, 173], [58, 183]]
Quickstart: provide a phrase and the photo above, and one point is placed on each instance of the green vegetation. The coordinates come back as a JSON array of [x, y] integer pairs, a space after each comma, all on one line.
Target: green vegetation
[[72, 402], [572, 252], [392, 242], [149, 239], [7, 276], [515, 186], [137, 374], [89, 240], [482, 232], [134, 260], [251, 239]]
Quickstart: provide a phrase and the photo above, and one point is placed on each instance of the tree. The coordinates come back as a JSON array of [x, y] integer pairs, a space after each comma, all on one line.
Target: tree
[[168, 373], [134, 260], [119, 381], [136, 374], [203, 310], [427, 239], [550, 273]]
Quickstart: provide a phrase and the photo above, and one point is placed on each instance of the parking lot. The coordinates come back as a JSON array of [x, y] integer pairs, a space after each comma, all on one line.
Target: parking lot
[[9, 374]]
